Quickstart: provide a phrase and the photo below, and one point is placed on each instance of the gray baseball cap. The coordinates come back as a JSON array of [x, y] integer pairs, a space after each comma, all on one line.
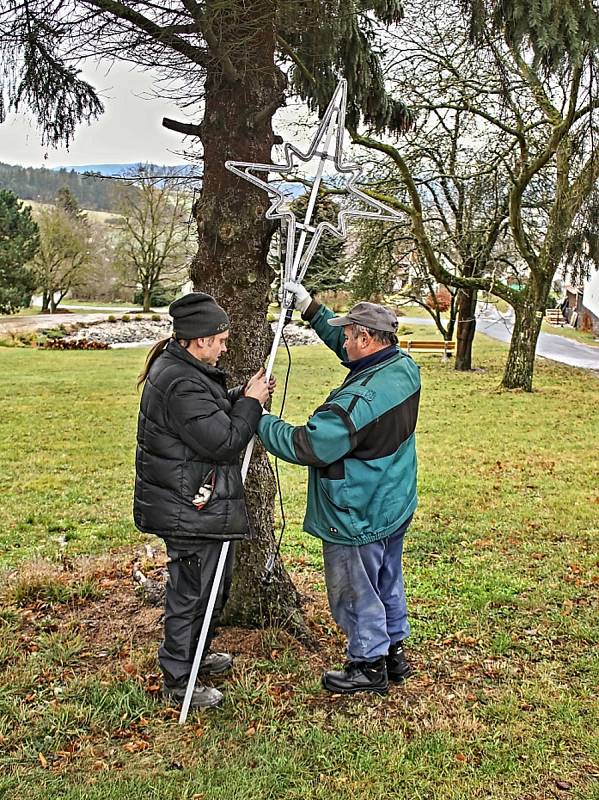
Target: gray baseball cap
[[370, 315]]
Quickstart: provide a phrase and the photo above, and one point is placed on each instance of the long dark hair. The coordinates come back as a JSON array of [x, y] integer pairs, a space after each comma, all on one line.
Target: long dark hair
[[153, 354]]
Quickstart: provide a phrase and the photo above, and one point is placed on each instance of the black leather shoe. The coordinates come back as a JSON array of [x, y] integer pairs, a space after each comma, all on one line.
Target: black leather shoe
[[398, 668], [358, 676]]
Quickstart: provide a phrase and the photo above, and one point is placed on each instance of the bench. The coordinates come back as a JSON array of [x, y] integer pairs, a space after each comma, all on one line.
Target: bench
[[446, 347], [554, 316]]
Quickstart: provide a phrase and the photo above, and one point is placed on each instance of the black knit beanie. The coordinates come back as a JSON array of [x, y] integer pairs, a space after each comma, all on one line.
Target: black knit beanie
[[197, 315]]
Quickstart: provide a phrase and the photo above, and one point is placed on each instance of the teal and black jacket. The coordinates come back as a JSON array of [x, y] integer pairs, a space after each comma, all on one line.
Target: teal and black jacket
[[359, 446]]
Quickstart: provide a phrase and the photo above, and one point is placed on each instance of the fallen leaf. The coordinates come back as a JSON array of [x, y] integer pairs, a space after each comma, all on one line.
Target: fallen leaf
[[137, 746], [251, 731], [567, 607], [42, 760], [563, 785], [460, 757]]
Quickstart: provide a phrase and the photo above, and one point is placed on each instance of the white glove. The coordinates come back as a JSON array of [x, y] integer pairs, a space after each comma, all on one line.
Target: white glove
[[302, 295]]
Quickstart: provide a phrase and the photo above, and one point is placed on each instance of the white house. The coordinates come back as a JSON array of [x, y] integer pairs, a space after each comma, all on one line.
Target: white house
[[589, 312]]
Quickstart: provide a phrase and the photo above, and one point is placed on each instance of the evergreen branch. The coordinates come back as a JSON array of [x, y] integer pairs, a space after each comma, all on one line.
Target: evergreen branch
[[286, 48], [159, 34]]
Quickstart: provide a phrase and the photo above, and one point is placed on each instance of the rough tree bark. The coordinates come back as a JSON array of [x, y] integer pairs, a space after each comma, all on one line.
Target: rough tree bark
[[520, 362], [466, 328], [231, 264]]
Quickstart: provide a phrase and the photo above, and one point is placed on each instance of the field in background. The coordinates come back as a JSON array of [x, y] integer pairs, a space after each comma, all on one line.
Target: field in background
[[502, 580]]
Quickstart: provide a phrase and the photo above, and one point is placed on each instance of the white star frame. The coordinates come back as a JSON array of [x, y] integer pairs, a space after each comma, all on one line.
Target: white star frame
[[332, 127]]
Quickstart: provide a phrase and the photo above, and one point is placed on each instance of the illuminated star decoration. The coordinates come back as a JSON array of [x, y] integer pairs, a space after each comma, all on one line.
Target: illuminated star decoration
[[331, 130]]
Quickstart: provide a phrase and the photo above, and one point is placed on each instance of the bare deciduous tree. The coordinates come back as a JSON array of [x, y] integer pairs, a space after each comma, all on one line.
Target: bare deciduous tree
[[153, 246], [64, 257], [537, 174]]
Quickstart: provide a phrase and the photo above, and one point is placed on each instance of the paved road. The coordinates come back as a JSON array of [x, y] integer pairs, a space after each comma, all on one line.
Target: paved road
[[42, 321], [557, 348], [76, 314]]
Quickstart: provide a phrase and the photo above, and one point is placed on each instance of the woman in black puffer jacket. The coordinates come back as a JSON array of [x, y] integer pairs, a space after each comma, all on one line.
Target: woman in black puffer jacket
[[188, 488]]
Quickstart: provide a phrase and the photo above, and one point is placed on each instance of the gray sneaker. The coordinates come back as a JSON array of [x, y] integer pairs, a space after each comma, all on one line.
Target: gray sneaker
[[202, 696], [215, 663]]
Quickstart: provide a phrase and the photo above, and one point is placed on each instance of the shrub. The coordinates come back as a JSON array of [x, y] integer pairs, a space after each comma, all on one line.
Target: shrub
[[138, 318], [111, 318], [159, 297], [156, 318], [126, 318], [441, 299], [54, 333], [30, 339]]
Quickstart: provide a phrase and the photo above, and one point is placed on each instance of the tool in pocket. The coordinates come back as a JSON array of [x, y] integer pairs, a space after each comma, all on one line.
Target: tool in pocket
[[205, 491]]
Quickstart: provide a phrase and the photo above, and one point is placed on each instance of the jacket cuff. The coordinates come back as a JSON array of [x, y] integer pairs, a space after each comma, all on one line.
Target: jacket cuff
[[252, 410], [310, 312], [236, 393]]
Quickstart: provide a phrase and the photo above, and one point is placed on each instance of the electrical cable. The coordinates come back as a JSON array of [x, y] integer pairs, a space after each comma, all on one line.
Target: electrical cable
[[270, 564]]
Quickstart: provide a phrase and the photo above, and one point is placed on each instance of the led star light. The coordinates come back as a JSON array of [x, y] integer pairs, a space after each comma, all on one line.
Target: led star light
[[330, 131]]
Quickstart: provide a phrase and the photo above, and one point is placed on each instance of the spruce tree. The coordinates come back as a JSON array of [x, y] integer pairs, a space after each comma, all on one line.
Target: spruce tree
[[556, 30], [19, 241], [35, 73]]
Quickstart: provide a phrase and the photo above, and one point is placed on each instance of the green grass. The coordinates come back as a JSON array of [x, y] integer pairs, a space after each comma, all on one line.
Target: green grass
[[502, 579], [99, 217], [571, 333]]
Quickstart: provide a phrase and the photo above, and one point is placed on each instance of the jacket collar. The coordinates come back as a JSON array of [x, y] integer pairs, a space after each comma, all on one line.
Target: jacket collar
[[215, 373], [369, 361]]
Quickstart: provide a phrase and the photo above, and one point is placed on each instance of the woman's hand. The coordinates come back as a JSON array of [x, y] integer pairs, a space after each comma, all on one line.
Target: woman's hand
[[258, 388]]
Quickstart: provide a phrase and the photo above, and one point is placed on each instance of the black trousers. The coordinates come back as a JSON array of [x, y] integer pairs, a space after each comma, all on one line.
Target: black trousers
[[190, 578]]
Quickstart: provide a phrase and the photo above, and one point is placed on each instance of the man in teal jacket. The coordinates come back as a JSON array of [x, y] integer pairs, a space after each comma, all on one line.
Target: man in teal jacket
[[359, 446]]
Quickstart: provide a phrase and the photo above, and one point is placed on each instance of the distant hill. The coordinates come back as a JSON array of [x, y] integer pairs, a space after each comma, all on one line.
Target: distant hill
[[42, 184], [119, 169]]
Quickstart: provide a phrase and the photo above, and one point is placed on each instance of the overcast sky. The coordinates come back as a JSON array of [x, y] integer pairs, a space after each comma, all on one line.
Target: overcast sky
[[129, 131]]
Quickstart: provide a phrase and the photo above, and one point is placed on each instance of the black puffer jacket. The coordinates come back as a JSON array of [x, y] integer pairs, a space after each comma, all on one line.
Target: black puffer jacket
[[189, 425]]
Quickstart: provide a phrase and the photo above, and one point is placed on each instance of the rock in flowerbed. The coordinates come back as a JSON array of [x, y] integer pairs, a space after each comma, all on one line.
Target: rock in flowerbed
[[146, 332], [142, 332]]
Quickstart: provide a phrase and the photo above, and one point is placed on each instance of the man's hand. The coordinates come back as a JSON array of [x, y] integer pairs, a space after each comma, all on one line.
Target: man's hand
[[301, 294], [258, 388], [272, 383]]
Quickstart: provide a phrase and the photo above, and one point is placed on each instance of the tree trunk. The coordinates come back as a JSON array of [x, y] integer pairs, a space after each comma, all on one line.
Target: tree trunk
[[519, 367], [45, 302], [466, 328], [53, 304], [146, 301], [231, 264]]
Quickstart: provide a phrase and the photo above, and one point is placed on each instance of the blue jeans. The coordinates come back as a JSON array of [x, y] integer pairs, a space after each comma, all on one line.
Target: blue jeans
[[366, 594]]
